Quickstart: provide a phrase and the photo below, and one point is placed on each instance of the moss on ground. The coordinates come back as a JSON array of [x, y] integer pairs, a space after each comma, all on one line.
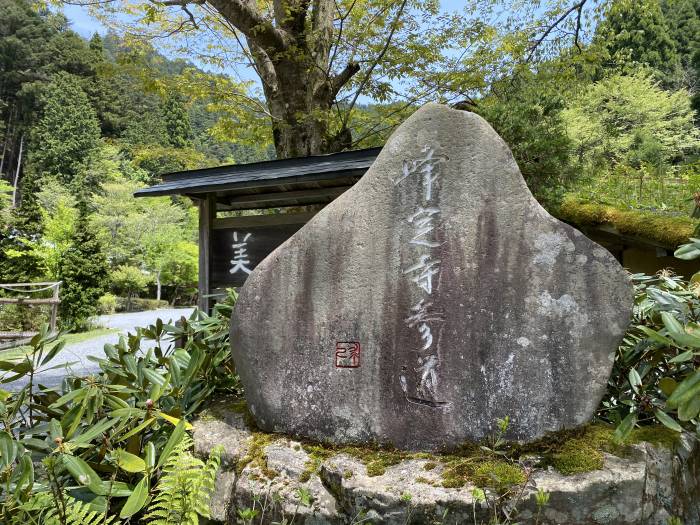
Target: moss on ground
[[670, 231]]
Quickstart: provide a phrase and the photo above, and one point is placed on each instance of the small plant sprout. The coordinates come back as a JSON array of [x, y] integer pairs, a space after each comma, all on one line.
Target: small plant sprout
[[542, 500], [496, 441], [247, 515], [407, 497], [305, 497], [479, 497]]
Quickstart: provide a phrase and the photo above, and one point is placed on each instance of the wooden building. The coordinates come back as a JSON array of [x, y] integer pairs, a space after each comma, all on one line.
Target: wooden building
[[247, 210], [232, 238]]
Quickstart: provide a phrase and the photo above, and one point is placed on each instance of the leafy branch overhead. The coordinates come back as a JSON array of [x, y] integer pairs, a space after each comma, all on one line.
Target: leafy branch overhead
[[317, 62]]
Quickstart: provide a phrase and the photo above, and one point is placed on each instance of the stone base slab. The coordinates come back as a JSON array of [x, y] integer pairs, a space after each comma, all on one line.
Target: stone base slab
[[273, 474]]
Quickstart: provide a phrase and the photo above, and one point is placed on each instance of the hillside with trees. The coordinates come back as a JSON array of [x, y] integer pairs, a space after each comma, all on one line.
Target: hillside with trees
[[84, 126]]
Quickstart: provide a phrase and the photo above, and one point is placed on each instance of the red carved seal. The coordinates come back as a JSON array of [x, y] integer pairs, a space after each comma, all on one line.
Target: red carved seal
[[347, 354]]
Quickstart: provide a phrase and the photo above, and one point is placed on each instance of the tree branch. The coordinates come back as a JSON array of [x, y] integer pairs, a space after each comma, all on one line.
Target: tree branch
[[244, 15], [578, 7], [338, 81], [365, 80]]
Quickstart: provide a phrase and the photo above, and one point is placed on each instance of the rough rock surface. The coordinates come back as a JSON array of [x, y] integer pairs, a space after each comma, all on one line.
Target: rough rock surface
[[647, 487], [432, 298]]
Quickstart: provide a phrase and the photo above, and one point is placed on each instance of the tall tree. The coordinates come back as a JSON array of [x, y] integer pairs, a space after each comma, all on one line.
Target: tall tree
[[635, 32], [177, 121], [317, 59], [629, 118], [67, 132], [84, 272], [683, 17]]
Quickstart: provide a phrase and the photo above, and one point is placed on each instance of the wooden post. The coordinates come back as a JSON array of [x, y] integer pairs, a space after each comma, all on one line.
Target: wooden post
[[54, 308], [207, 212]]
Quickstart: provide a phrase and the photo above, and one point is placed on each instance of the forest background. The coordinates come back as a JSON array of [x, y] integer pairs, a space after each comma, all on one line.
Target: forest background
[[599, 102]]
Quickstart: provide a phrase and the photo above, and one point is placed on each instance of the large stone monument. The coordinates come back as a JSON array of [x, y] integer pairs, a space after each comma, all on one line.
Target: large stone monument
[[429, 300]]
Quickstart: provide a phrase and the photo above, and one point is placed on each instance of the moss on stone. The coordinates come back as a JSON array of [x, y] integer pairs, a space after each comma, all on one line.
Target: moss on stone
[[498, 474], [424, 481], [569, 451], [670, 231], [658, 435], [457, 472], [255, 455], [576, 457], [485, 471], [379, 460], [574, 451], [240, 406], [376, 459]]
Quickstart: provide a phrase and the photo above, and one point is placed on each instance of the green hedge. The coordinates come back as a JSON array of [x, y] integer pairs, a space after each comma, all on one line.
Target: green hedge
[[140, 305]]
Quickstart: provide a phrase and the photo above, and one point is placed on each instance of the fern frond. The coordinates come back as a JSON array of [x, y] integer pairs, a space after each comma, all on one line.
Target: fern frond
[[185, 487], [79, 513], [42, 508]]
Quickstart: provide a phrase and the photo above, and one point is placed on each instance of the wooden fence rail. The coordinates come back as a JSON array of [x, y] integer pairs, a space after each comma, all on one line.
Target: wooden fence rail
[[24, 296]]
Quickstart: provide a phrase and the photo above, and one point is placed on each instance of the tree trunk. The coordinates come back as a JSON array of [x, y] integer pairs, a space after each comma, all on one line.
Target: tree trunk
[[292, 57], [15, 183], [158, 286]]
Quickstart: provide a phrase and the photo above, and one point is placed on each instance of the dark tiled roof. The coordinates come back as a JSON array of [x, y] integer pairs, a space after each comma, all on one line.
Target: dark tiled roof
[[324, 169]]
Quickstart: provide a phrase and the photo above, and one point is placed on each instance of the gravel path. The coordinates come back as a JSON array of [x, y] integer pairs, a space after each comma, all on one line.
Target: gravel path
[[79, 352]]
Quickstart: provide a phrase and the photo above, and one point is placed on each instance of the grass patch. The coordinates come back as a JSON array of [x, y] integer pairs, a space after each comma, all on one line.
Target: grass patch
[[91, 334]]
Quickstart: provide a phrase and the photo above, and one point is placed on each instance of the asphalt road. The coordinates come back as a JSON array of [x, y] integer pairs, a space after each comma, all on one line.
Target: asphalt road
[[75, 355]]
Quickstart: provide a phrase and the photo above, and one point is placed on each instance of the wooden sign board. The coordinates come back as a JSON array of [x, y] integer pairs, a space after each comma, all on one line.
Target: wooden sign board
[[239, 244]]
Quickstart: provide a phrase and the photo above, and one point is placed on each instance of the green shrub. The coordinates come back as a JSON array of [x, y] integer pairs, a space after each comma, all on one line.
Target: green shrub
[[118, 436], [139, 304], [23, 317], [107, 304], [655, 376], [129, 281]]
